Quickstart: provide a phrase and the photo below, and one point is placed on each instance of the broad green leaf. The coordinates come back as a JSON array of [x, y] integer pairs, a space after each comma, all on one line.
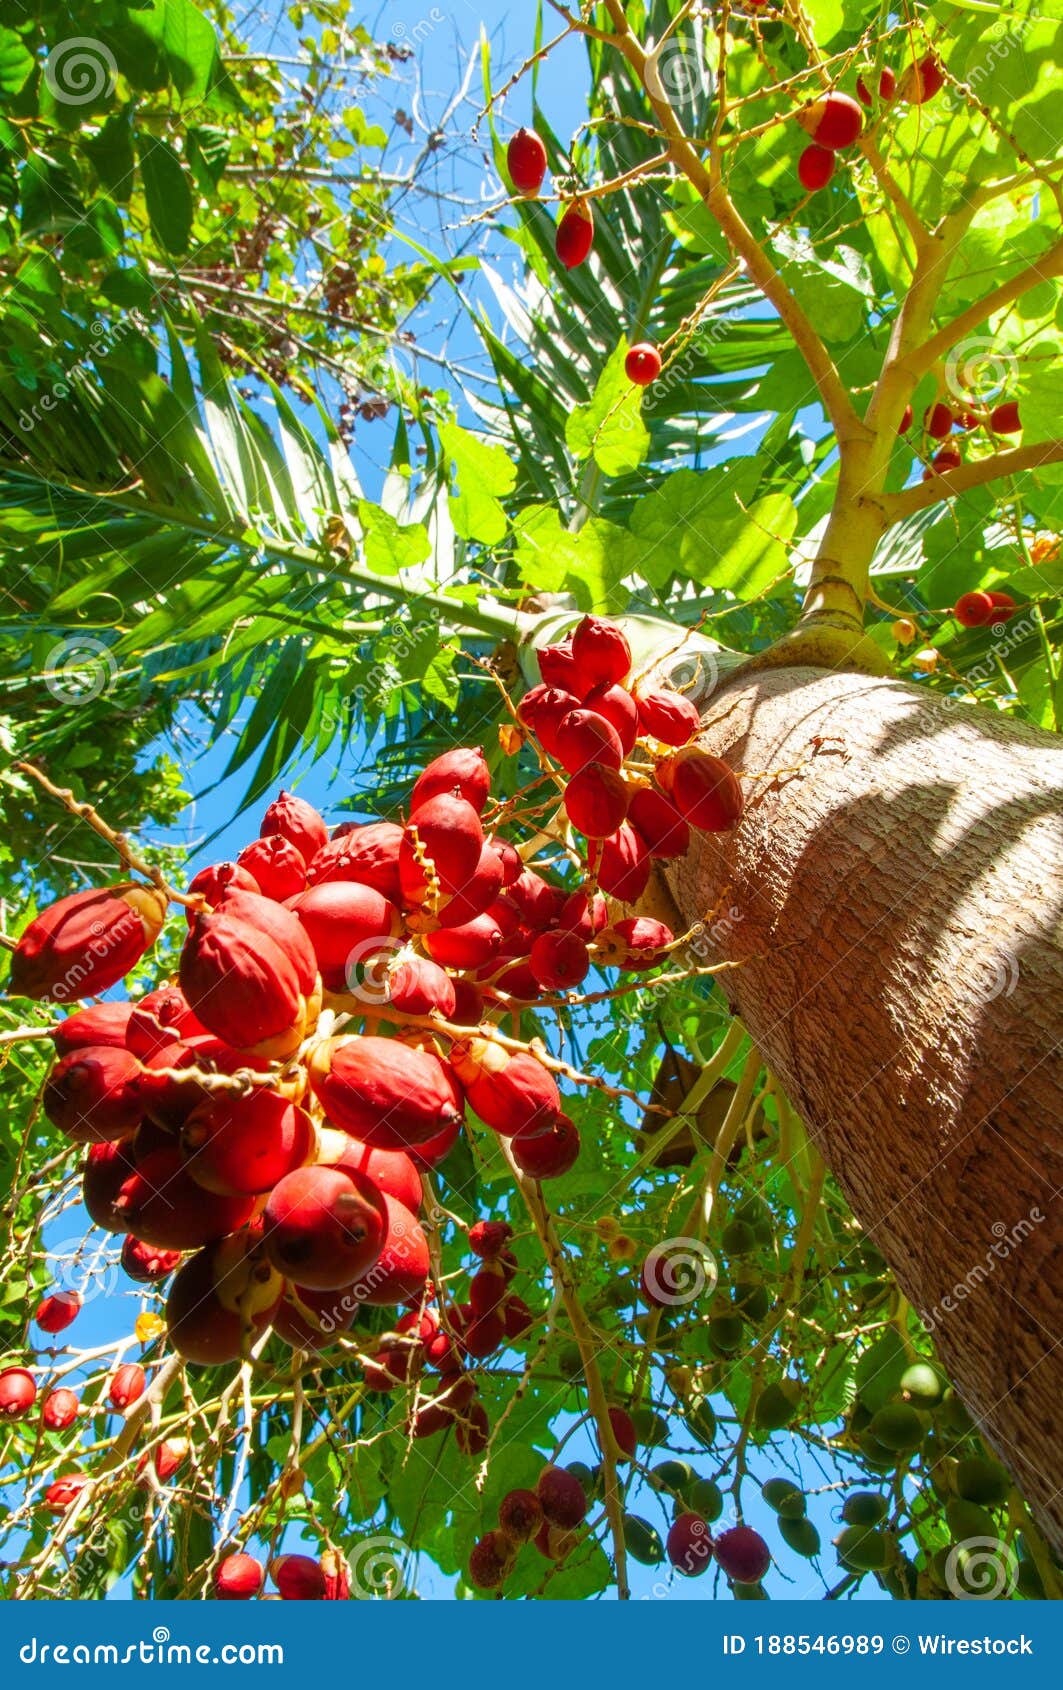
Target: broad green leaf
[[391, 546], [15, 62], [610, 428], [168, 195], [485, 473], [590, 563]]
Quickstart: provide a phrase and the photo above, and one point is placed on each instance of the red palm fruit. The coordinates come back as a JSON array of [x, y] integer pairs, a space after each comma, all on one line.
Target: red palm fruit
[[324, 1227], [667, 716], [168, 1102], [509, 857], [100, 1024], [276, 865], [146, 1264], [575, 234], [92, 1094], [163, 1461], [906, 420], [635, 942], [642, 364], [549, 1153], [477, 895], [490, 1561], [561, 1498], [520, 1514], [470, 946], [689, 1545], [622, 863], [526, 161], [537, 902], [517, 1317], [243, 1145], [403, 1265], [489, 1238], [619, 709], [417, 986], [624, 1432], [250, 974], [484, 1334], [452, 1397], [927, 79], [18, 1393], [127, 1385], [441, 846], [557, 666], [237, 1578], [973, 610], [162, 1205], [596, 801], [390, 1368], [815, 167], [443, 1351], [559, 961], [298, 1578], [938, 420], [58, 1311], [487, 1289], [706, 791], [436, 1149], [81, 945], [601, 654], [391, 1170], [555, 1543], [887, 87], [658, 824], [1005, 418], [743, 1554], [60, 1409], [160, 1018], [62, 1493], [297, 822], [950, 457], [368, 852], [517, 982], [103, 1172], [462, 774], [216, 882], [1003, 608], [344, 922], [542, 710], [382, 1091], [583, 915], [511, 1092], [833, 121], [199, 1325], [472, 1431], [584, 739], [312, 1320]]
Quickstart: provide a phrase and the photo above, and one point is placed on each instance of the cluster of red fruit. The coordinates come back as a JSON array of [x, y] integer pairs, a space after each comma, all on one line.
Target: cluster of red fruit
[[298, 1578], [526, 163], [550, 1516], [940, 419], [835, 121], [983, 609]]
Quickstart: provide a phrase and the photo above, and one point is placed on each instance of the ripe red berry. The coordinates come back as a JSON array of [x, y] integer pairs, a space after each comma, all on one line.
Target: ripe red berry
[[601, 653], [620, 710], [834, 121], [250, 974], [622, 864], [624, 1431], [93, 1094], [596, 801], [127, 1385], [906, 420], [1004, 419], [324, 1228], [402, 1267], [298, 1578], [60, 1409], [511, 1093], [57, 1312], [490, 1561], [18, 1392], [743, 1554], [276, 865], [1003, 608], [367, 852], [667, 716], [689, 1545], [62, 1493], [471, 946], [145, 1263], [165, 1459], [937, 421], [658, 824], [462, 773], [887, 87], [297, 822], [547, 1154], [81, 945], [706, 791], [161, 1204], [585, 739], [243, 1145], [526, 161], [517, 1317], [99, 1024], [542, 709], [238, 1578], [561, 1497], [158, 1019], [520, 1514], [643, 364], [447, 832], [927, 79], [489, 1238], [973, 610], [472, 1430], [559, 961], [635, 942], [203, 1328], [950, 457], [217, 881], [575, 234], [815, 167]]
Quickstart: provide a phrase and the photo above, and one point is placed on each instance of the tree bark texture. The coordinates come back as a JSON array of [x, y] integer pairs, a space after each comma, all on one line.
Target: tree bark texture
[[906, 884]]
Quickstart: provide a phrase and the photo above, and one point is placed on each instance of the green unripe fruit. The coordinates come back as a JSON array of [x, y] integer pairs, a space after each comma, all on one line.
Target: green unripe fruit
[[749, 1593], [982, 1481], [724, 1334], [651, 1428], [1028, 1583], [922, 1385], [643, 1541], [569, 1361], [671, 1475], [583, 1473], [702, 1422], [859, 1419], [800, 1535], [704, 1497], [952, 1416], [738, 1238], [776, 1405], [898, 1427], [939, 1565], [876, 1455], [784, 1497], [754, 1211], [969, 1519], [862, 1549], [865, 1508], [901, 1581], [753, 1301]]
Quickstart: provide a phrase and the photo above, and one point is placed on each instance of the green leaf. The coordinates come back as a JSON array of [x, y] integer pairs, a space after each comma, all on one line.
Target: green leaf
[[168, 195], [590, 564], [610, 428], [186, 41], [389, 545], [15, 62], [834, 291], [694, 525], [484, 473]]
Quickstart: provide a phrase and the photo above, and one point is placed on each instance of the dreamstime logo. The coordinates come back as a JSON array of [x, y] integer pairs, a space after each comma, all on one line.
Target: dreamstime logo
[[677, 72], [979, 369], [995, 977], [367, 970], [79, 70], [981, 1569], [1006, 1240], [680, 1270], [78, 669], [378, 1567]]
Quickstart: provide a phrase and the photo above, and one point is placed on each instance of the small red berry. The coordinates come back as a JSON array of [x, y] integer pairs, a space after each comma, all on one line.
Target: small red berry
[[906, 420], [559, 961], [298, 1578], [950, 457], [520, 1514], [834, 121], [60, 1409], [928, 79], [489, 1238], [887, 87], [624, 1431], [937, 421], [526, 161], [643, 364], [596, 801], [689, 1545], [562, 1497], [490, 1561], [743, 1554], [1005, 418], [575, 234], [18, 1392], [815, 168], [1003, 608], [127, 1386], [238, 1578], [549, 1154], [973, 610], [57, 1312]]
